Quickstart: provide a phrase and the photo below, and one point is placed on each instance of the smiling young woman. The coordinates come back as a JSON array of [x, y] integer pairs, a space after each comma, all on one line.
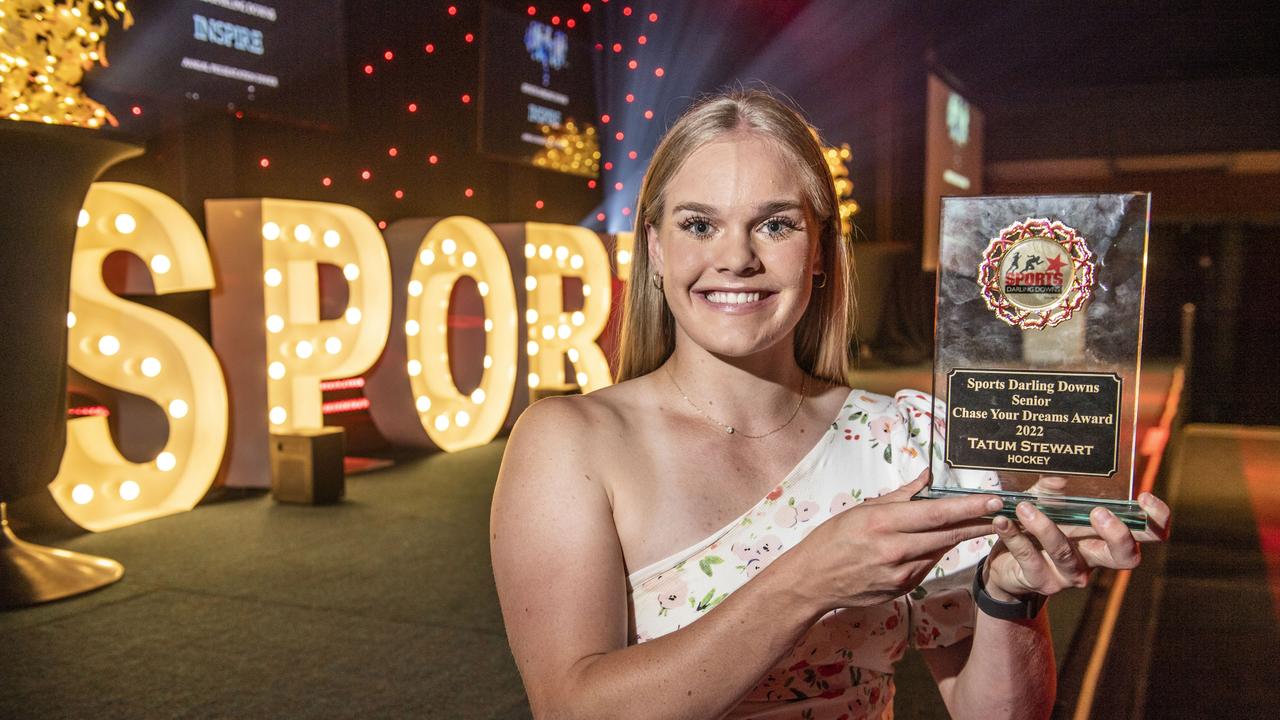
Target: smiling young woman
[[632, 581]]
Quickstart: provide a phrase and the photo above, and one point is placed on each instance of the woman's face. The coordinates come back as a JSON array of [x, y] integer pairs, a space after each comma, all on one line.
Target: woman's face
[[737, 247]]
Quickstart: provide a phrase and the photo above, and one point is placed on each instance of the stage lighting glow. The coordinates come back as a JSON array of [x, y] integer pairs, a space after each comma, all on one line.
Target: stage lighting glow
[[168, 362]]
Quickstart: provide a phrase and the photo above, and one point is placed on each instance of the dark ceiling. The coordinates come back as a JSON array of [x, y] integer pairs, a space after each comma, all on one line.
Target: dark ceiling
[[1012, 49]]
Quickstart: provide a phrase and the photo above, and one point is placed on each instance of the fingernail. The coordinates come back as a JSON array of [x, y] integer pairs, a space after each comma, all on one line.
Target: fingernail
[[994, 504], [1002, 523], [1024, 510]]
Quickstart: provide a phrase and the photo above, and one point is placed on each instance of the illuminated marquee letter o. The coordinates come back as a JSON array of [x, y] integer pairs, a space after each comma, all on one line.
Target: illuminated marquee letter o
[[454, 247]]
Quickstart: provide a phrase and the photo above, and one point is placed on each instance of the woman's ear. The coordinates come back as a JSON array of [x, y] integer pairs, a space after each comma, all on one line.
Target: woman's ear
[[655, 248]]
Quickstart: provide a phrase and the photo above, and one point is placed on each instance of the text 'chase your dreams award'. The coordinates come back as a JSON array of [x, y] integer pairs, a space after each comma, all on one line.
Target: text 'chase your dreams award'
[[1037, 351]]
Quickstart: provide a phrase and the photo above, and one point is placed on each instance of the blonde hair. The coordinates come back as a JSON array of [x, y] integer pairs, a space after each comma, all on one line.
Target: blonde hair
[[824, 333]]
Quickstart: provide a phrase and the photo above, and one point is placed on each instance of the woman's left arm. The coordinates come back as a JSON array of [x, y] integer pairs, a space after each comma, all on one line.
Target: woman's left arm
[[1006, 670]]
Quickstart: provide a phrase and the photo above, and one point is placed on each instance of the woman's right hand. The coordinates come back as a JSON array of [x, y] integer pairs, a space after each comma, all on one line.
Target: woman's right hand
[[885, 547]]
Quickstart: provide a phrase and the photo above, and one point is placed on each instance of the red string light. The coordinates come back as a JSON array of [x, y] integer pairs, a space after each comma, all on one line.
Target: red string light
[[365, 174], [627, 11], [659, 72], [653, 17], [642, 40], [469, 37], [368, 69], [399, 194], [392, 151], [89, 410], [570, 23], [326, 181], [608, 165], [618, 135], [632, 64], [604, 119], [466, 98], [648, 114], [632, 155], [626, 211], [591, 184], [453, 9], [413, 107], [586, 7], [538, 204], [354, 383], [136, 110], [388, 56], [617, 47], [433, 159], [630, 98], [532, 11], [382, 224], [600, 217], [429, 47], [468, 192], [334, 407], [265, 162], [617, 186], [555, 19]]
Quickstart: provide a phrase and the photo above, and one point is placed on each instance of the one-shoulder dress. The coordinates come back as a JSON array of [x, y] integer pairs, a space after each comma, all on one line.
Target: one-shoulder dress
[[842, 667]]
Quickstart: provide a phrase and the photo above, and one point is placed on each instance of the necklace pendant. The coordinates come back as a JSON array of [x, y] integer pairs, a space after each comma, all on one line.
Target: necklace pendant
[[729, 429]]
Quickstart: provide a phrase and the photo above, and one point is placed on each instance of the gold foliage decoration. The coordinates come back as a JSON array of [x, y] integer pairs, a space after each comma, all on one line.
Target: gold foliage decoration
[[45, 48], [570, 150], [836, 159]]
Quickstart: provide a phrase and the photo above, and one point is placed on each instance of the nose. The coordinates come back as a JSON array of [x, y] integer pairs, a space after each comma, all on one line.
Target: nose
[[736, 254]]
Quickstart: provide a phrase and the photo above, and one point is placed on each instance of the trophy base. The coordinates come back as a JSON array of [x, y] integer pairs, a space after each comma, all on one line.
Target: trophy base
[[1064, 511]]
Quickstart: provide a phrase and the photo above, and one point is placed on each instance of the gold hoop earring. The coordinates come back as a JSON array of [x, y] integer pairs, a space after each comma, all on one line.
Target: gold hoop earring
[[657, 281], [822, 284]]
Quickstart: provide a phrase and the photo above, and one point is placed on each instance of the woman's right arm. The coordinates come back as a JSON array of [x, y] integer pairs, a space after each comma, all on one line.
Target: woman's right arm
[[561, 580]]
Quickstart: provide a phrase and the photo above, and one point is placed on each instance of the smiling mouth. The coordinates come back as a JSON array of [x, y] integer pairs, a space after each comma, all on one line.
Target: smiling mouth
[[737, 300]]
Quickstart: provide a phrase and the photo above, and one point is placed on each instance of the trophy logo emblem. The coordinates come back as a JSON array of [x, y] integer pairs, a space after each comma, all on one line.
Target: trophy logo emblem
[[1036, 274]]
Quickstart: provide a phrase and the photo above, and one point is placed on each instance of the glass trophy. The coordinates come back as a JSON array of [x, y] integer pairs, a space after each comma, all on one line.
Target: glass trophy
[[1037, 351]]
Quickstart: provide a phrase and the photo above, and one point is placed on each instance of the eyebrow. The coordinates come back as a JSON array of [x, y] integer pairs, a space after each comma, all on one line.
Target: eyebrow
[[766, 208]]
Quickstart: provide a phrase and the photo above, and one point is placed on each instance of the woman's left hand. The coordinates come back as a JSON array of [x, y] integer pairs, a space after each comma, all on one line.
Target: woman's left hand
[[1041, 557]]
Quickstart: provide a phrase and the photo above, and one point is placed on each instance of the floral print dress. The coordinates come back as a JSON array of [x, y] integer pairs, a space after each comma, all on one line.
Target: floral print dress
[[842, 668]]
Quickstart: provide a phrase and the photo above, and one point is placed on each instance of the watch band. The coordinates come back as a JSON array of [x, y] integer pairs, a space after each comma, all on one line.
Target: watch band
[[1025, 609]]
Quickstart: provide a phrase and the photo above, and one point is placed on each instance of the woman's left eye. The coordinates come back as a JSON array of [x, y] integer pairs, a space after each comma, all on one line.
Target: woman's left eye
[[778, 226]]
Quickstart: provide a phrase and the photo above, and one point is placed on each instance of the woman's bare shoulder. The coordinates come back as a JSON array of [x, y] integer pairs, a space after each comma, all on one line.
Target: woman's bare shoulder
[[587, 421]]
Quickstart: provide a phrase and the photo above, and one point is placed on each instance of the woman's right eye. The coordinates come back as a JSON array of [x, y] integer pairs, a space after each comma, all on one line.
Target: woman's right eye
[[699, 227]]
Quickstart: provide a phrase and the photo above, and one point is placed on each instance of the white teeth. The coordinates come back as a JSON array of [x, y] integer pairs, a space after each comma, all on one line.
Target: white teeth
[[728, 298]]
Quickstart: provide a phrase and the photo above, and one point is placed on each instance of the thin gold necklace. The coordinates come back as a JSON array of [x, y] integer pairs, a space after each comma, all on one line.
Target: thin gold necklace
[[804, 378]]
